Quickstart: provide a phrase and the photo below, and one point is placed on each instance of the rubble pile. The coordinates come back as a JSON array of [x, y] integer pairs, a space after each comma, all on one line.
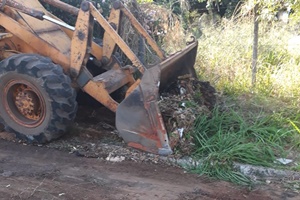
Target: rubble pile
[[180, 105]]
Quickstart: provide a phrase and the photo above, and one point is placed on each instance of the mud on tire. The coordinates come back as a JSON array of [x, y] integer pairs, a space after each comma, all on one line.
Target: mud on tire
[[37, 102]]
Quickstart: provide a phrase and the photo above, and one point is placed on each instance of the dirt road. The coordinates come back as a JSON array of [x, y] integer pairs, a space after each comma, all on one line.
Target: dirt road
[[31, 172]]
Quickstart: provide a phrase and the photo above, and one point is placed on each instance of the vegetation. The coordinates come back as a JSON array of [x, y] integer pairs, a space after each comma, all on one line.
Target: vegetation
[[251, 125], [249, 135], [260, 124], [226, 137]]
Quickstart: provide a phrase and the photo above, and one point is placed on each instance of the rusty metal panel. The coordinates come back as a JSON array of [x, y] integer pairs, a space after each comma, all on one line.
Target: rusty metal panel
[[97, 91], [48, 31], [114, 79], [138, 118], [178, 64], [81, 42], [38, 45]]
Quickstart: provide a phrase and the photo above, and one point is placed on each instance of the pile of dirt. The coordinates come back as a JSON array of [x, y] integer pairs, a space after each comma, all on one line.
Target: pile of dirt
[[180, 106]]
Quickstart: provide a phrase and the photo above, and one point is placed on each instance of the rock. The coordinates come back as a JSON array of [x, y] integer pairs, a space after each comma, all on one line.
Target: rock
[[284, 161], [115, 159]]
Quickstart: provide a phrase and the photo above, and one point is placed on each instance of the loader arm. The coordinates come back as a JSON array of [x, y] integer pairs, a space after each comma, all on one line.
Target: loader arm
[[138, 118]]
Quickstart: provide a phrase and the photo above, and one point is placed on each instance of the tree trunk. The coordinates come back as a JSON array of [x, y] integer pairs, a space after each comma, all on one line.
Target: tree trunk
[[255, 46]]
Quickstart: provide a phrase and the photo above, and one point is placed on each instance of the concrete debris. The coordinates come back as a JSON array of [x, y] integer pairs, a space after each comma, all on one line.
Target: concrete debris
[[115, 159], [284, 161]]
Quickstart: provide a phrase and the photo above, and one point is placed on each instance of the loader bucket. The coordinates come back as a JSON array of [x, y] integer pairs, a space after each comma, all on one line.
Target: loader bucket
[[179, 64], [138, 118]]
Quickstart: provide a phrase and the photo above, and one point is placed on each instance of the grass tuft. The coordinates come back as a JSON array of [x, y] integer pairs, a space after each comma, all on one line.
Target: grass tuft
[[227, 137]]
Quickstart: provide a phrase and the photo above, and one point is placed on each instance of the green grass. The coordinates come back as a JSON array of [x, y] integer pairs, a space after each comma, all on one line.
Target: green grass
[[227, 137]]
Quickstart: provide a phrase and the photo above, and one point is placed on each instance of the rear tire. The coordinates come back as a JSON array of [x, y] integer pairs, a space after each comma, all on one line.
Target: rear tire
[[37, 102]]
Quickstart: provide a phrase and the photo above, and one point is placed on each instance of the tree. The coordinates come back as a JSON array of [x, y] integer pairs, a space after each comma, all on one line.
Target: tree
[[262, 10], [255, 46]]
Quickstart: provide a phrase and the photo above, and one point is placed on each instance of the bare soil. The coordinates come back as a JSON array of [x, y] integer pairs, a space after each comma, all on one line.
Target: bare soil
[[82, 165], [31, 172]]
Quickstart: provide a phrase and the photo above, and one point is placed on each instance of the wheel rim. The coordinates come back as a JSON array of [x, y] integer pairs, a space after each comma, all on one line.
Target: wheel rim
[[24, 103]]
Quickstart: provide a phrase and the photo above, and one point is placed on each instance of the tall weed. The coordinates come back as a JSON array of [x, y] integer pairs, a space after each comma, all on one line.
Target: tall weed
[[225, 53], [227, 137]]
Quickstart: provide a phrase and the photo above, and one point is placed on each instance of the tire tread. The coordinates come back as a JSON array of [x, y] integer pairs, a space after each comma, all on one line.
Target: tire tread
[[56, 84]]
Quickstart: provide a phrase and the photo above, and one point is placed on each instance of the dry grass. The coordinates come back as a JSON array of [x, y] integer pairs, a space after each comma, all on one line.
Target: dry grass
[[225, 53]]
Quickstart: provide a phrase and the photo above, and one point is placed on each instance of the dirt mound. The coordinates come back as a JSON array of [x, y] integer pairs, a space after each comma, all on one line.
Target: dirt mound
[[180, 106]]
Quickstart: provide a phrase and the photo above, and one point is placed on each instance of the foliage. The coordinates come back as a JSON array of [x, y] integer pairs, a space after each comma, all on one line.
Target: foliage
[[144, 1], [268, 8], [227, 60], [295, 16], [228, 136], [224, 58]]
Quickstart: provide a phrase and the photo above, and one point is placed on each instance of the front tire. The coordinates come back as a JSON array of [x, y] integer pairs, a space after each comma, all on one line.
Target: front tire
[[37, 102]]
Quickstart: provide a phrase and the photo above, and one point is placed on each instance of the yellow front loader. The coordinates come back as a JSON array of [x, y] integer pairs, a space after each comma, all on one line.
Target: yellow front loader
[[44, 62]]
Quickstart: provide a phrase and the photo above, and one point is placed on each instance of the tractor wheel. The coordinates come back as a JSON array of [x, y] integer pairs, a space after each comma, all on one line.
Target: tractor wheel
[[37, 102]]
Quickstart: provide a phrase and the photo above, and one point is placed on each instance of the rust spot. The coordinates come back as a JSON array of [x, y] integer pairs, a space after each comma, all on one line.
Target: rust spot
[[81, 35], [151, 136]]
